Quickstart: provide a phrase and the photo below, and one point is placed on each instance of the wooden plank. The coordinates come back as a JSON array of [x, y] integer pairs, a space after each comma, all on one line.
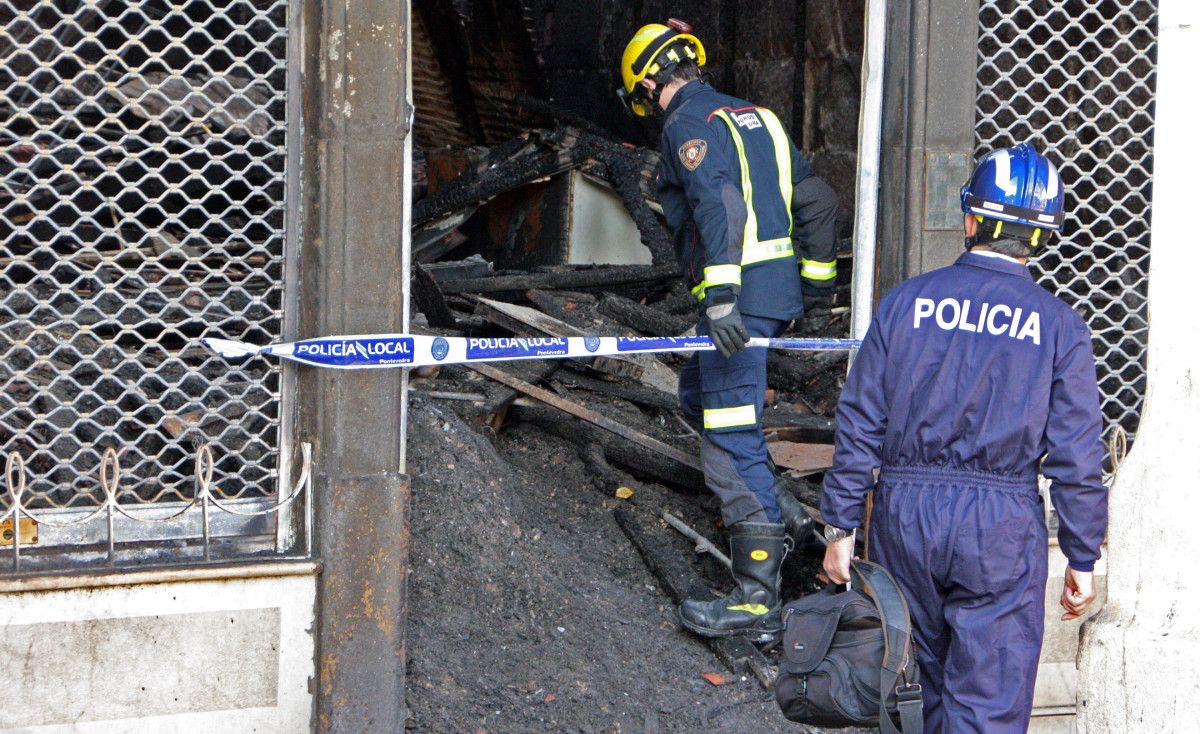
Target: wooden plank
[[587, 414], [802, 457], [644, 368], [522, 319]]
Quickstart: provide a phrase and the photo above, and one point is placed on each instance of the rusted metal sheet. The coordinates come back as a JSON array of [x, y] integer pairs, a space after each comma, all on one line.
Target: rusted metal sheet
[[361, 662], [28, 531], [801, 457]]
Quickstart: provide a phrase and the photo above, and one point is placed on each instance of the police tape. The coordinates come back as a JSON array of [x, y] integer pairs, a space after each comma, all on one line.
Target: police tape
[[384, 351]]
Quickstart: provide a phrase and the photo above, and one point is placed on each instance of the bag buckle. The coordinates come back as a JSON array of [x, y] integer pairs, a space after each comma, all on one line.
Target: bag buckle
[[908, 694]]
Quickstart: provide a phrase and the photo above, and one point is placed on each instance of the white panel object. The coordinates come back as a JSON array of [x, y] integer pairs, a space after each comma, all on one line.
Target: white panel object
[[226, 654], [601, 230], [866, 188]]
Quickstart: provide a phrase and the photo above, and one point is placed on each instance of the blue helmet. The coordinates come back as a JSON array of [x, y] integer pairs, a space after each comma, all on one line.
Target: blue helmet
[[1016, 185]]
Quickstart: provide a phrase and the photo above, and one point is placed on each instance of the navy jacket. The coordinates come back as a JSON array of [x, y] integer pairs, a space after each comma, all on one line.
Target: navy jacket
[[703, 179], [975, 367]]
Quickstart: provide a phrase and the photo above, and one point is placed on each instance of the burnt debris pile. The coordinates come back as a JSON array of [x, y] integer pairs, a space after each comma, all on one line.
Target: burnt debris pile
[[533, 239]]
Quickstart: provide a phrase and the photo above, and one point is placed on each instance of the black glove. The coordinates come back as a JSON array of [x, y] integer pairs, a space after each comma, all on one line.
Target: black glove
[[725, 329], [817, 299], [818, 303]]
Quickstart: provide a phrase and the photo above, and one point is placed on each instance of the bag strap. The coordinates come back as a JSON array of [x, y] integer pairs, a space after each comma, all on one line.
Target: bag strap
[[875, 581]]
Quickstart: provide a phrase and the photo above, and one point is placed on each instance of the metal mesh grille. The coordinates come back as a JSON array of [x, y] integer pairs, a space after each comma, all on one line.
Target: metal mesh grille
[[1076, 78], [141, 203]]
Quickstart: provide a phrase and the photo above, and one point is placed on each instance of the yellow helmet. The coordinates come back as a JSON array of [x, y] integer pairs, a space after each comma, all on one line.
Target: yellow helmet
[[644, 57]]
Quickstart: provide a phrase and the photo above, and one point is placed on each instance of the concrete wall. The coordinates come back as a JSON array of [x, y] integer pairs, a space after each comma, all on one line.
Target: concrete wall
[[1140, 662], [357, 118], [928, 134], [172, 651]]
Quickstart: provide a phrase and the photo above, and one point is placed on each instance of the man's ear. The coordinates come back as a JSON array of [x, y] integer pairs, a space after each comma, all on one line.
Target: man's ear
[[648, 83], [970, 225]]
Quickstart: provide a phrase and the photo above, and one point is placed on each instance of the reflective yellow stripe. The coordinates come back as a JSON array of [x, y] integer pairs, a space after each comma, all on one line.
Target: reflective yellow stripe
[[754, 251], [757, 252], [817, 270], [757, 610], [750, 233], [783, 161], [722, 275], [742, 415]]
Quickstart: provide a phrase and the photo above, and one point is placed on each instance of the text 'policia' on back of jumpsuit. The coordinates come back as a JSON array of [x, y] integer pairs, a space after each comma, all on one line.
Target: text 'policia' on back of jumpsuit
[[969, 379]]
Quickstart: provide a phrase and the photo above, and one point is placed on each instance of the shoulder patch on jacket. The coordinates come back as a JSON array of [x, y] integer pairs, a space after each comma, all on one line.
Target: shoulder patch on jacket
[[692, 153]]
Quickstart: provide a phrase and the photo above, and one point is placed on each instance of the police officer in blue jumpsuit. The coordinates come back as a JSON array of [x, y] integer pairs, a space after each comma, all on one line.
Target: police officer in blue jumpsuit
[[741, 200], [971, 379]]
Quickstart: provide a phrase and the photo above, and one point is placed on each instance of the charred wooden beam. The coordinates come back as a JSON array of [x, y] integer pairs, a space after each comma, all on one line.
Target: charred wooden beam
[[792, 426], [645, 319], [635, 393], [530, 372], [527, 321], [430, 300], [472, 267], [560, 306], [794, 372], [589, 415], [591, 277], [635, 458]]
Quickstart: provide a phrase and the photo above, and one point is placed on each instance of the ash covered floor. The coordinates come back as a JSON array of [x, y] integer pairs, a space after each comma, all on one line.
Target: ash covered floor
[[530, 610]]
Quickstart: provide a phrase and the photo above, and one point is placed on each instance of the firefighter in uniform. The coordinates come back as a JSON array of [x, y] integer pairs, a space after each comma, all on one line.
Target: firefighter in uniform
[[971, 379], [740, 200]]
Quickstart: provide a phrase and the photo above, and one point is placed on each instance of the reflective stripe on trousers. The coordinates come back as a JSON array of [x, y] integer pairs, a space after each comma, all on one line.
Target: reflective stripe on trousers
[[726, 395]]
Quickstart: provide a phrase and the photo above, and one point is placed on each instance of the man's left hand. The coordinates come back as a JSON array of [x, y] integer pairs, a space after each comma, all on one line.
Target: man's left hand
[[1079, 591], [838, 555]]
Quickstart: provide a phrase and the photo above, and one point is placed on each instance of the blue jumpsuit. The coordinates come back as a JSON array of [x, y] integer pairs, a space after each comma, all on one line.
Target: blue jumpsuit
[[735, 192], [968, 378]]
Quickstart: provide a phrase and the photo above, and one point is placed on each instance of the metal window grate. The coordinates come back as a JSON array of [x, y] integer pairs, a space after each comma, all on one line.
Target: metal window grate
[[141, 203], [1076, 77]]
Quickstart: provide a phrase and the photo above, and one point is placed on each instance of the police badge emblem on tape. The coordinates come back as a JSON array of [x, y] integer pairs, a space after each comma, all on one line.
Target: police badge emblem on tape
[[384, 351], [692, 153]]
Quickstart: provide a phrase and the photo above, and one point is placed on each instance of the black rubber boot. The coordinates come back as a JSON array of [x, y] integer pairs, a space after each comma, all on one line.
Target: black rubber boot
[[798, 522], [754, 607]]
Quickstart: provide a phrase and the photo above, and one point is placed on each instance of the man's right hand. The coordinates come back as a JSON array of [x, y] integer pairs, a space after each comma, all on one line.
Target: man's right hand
[[817, 309], [1079, 591], [838, 555], [725, 329]]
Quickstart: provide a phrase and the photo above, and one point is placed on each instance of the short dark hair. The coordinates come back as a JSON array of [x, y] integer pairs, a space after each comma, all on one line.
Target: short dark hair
[[1010, 247], [684, 71], [1012, 239]]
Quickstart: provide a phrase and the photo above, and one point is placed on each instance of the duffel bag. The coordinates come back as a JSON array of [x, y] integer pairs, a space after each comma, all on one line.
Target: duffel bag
[[841, 650]]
